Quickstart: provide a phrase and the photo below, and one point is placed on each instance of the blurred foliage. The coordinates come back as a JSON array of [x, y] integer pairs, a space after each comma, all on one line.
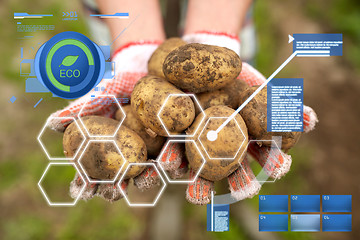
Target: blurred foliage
[[342, 16], [27, 226], [266, 38], [56, 182]]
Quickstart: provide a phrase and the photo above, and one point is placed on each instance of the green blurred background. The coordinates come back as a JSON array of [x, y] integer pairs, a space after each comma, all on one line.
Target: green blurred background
[[325, 161]]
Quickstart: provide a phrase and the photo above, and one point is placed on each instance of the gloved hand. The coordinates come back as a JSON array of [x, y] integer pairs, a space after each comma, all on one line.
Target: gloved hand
[[130, 65], [242, 182], [173, 160], [110, 191]]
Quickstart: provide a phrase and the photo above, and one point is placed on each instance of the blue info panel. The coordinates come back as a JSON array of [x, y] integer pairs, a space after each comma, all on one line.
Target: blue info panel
[[305, 222], [310, 44], [218, 218], [305, 203], [336, 223], [336, 203], [273, 222], [285, 105], [273, 203]]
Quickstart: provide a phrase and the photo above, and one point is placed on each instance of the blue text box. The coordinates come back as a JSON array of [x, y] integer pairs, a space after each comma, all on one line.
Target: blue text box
[[305, 203], [285, 105], [305, 222], [336, 203], [273, 203], [273, 222], [218, 217], [336, 223], [317, 44]]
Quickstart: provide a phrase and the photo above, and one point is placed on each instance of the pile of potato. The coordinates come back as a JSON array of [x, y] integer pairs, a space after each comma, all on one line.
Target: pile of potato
[[177, 68]]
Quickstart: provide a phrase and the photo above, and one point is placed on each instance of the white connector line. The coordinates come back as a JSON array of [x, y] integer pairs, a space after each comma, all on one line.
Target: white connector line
[[309, 53], [212, 211], [317, 55], [313, 51], [212, 135]]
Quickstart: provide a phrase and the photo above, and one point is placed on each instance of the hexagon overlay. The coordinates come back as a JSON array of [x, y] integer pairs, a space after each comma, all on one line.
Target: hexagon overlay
[[43, 144], [170, 180], [196, 102], [84, 169], [203, 132], [264, 175], [131, 204], [67, 204], [101, 99]]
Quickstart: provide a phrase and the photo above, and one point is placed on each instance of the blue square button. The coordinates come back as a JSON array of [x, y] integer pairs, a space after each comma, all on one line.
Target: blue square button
[[305, 203]]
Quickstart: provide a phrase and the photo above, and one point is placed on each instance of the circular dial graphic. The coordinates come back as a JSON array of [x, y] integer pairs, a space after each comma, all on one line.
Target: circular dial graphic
[[69, 65]]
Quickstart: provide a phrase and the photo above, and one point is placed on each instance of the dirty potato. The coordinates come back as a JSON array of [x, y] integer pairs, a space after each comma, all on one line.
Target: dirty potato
[[228, 148], [101, 160], [200, 68], [153, 145], [227, 96], [156, 60], [148, 97], [255, 116]]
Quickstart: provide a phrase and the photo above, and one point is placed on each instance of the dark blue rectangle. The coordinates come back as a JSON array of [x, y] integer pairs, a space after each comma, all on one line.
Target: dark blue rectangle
[[305, 203], [305, 222], [285, 105], [273, 203], [336, 203], [336, 222], [218, 218], [319, 42], [273, 222]]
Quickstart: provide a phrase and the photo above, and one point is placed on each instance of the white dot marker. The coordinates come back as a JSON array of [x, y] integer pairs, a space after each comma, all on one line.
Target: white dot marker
[[211, 135]]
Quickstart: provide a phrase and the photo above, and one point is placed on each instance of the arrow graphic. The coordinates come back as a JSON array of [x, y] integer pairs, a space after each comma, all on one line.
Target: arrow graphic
[[291, 38]]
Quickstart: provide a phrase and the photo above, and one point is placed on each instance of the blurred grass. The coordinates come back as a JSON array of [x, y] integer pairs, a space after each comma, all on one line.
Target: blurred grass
[[53, 142], [56, 182], [266, 38], [340, 16], [27, 226]]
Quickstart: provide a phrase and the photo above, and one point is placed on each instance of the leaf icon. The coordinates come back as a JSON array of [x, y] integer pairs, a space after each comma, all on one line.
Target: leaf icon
[[69, 60]]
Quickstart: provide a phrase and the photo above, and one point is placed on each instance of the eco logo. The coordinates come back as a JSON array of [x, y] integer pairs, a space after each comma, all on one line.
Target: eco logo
[[69, 65]]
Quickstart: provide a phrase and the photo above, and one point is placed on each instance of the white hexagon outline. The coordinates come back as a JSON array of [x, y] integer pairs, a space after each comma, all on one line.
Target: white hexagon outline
[[64, 204], [84, 171], [164, 171], [222, 158], [196, 102], [120, 122], [61, 158], [262, 169], [142, 204]]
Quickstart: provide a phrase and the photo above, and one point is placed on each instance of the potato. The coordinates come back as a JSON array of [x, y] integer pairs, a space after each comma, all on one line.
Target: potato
[[200, 68], [147, 98], [227, 96], [255, 116], [226, 145], [153, 145], [101, 160], [156, 60]]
